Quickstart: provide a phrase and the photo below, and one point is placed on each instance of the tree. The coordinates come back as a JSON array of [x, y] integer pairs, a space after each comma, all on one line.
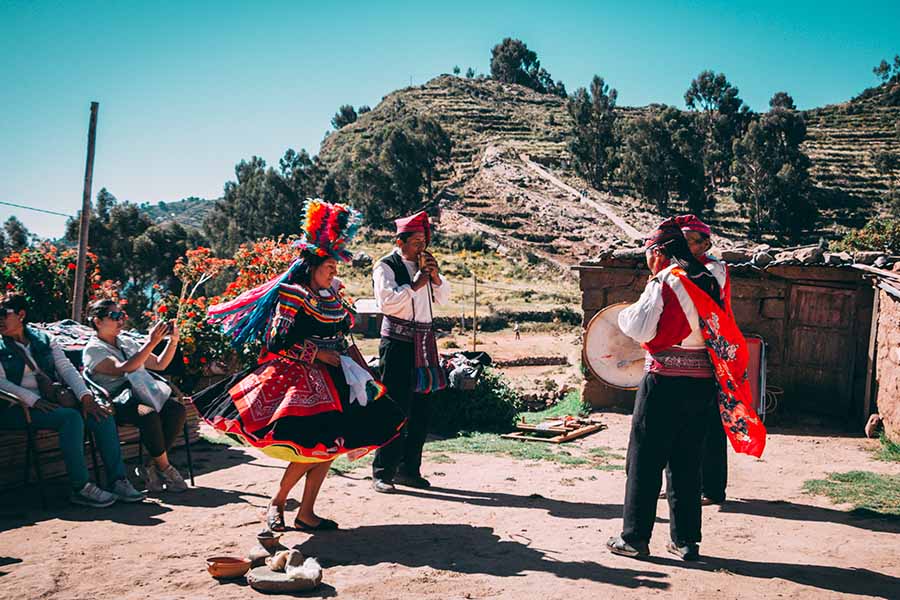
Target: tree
[[772, 175], [393, 171], [723, 118], [888, 164], [363, 109], [470, 73], [263, 201], [456, 70], [344, 116], [782, 100], [593, 131], [513, 62], [16, 235], [886, 71], [661, 156]]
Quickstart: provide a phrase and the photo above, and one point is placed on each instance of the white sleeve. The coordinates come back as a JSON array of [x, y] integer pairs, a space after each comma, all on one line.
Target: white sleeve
[[639, 321], [441, 292], [24, 394], [67, 371], [718, 270], [390, 298]]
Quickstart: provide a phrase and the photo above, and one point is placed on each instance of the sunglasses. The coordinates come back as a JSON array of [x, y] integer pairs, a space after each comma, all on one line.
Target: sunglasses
[[116, 315]]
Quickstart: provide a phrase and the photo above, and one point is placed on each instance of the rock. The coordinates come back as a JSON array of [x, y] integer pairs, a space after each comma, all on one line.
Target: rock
[[881, 262], [629, 253], [361, 260], [867, 258], [809, 256], [762, 259], [762, 248], [736, 255], [264, 579], [785, 256], [838, 258]]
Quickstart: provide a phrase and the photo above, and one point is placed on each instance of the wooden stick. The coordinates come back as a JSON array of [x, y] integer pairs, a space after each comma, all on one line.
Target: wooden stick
[[78, 294]]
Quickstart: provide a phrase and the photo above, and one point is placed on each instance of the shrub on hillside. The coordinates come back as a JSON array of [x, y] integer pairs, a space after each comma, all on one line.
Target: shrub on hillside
[[879, 234]]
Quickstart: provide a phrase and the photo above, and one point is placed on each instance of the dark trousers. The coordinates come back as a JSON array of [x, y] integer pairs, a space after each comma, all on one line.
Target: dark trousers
[[398, 375], [158, 429], [714, 473], [669, 425]]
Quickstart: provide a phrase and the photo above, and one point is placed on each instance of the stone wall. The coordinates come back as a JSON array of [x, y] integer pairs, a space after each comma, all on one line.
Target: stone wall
[[888, 364]]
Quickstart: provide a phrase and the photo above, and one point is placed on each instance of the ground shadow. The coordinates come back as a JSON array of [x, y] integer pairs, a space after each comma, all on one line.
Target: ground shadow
[[464, 549], [6, 561], [779, 509], [837, 579], [323, 591], [556, 508]]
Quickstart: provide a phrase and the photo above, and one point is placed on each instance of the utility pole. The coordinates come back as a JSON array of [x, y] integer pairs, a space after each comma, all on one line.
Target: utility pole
[[474, 313], [78, 295]]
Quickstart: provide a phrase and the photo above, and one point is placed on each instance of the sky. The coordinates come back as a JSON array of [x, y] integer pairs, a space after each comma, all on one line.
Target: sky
[[188, 89]]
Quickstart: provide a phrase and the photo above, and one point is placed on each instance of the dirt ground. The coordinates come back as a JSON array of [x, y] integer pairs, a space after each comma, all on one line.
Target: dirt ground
[[491, 527]]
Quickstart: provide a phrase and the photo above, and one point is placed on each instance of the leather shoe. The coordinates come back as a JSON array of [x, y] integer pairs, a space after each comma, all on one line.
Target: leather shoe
[[688, 552], [617, 545], [413, 481]]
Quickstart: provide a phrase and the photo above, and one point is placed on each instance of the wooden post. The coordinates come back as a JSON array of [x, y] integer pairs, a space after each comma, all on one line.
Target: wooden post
[[474, 313], [78, 294]]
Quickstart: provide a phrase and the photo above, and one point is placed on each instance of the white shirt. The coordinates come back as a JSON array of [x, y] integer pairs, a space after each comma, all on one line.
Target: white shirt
[[402, 301], [28, 391]]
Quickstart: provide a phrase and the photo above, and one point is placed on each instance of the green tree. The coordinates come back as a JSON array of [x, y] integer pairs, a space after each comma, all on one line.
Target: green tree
[[772, 175], [593, 140], [263, 201], [456, 70], [345, 115], [16, 236], [470, 73], [513, 62], [363, 109], [782, 100], [886, 71], [393, 171], [661, 156], [723, 118]]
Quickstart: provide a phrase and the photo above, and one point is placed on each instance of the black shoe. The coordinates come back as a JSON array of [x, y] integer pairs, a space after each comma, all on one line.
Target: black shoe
[[707, 501], [688, 552], [324, 525], [383, 486], [413, 481], [619, 546]]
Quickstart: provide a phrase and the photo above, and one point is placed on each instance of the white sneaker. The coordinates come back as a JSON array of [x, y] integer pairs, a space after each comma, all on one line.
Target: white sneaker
[[124, 491], [173, 480], [91, 495]]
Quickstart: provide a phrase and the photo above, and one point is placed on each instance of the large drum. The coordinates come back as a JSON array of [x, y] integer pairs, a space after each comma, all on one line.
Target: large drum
[[610, 355]]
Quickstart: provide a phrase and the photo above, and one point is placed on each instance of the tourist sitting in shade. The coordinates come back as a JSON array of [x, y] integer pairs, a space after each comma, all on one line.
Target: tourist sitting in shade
[[108, 359], [29, 361]]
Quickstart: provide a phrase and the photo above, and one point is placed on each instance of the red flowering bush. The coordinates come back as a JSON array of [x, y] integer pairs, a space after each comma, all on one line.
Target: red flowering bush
[[45, 274]]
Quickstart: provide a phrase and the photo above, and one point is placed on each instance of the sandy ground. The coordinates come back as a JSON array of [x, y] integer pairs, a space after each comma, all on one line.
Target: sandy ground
[[491, 527]]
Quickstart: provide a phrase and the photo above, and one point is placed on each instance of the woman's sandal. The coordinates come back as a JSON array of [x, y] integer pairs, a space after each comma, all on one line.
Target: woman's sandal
[[275, 519], [324, 525]]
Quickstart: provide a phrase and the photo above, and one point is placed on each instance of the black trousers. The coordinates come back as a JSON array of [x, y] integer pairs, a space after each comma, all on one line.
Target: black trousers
[[714, 473], [398, 375], [158, 429], [669, 426]]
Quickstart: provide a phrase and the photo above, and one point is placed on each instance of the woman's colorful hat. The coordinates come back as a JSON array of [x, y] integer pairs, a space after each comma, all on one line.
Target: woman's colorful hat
[[328, 228]]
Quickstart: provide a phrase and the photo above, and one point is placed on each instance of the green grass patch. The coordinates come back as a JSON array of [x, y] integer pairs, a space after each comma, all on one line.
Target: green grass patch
[[889, 451], [863, 489], [570, 405], [490, 443], [343, 465]]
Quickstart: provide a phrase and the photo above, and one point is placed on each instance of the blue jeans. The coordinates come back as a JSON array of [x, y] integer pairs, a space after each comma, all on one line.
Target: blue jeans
[[67, 422]]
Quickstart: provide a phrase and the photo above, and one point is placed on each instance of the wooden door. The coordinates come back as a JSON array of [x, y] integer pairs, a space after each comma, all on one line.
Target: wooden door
[[821, 350]]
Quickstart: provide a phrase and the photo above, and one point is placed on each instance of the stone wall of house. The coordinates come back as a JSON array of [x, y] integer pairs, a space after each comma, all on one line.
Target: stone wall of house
[[888, 364]]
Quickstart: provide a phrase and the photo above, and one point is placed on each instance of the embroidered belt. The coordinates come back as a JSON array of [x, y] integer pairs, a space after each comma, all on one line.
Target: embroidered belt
[[680, 362], [403, 330]]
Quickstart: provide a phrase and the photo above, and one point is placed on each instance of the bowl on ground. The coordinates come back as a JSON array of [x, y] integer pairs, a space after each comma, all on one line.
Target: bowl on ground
[[227, 567]]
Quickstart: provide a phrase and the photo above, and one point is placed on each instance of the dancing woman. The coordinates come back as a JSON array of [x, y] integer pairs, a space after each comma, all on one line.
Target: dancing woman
[[311, 398]]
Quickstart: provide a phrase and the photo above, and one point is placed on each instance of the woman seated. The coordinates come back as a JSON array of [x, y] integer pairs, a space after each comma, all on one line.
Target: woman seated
[[31, 363], [309, 400], [108, 359]]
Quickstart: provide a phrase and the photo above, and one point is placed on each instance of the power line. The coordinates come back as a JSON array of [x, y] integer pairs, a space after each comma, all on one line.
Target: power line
[[42, 210]]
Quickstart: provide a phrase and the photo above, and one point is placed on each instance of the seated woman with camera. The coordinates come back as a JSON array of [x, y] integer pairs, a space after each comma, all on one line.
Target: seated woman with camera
[[34, 369], [119, 365]]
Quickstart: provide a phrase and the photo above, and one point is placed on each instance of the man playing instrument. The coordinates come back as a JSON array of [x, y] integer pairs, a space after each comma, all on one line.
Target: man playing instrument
[[407, 283], [696, 366]]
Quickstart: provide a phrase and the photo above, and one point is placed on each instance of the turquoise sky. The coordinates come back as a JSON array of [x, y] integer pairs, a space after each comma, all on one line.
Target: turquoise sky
[[187, 89]]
